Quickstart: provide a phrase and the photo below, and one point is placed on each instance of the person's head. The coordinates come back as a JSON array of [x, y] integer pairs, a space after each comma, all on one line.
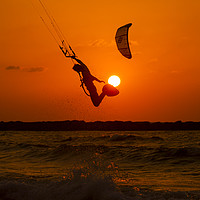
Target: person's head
[[77, 68]]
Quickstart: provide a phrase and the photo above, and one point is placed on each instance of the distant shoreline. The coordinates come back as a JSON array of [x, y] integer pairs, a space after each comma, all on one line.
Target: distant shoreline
[[76, 125]]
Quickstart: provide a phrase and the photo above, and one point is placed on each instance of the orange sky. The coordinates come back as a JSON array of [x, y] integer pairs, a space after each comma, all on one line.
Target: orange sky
[[160, 83]]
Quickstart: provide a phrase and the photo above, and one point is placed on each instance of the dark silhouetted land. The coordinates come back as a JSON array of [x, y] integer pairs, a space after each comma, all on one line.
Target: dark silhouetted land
[[97, 126]]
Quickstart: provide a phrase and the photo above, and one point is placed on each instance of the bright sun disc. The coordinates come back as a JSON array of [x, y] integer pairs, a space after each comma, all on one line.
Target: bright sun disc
[[114, 80]]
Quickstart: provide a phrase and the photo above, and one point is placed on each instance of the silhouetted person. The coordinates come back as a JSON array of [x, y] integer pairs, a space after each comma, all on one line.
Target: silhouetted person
[[87, 79]]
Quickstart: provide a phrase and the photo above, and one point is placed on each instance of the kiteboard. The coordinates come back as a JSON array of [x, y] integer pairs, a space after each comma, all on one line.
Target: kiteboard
[[110, 90]]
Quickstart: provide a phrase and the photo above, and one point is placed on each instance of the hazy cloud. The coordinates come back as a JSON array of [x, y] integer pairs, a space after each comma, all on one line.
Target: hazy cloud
[[26, 69], [133, 43], [104, 43], [184, 38], [99, 43], [34, 69], [175, 72], [152, 61], [12, 68]]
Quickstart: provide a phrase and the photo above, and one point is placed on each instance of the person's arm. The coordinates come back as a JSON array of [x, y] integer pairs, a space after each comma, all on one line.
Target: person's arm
[[79, 61], [96, 79]]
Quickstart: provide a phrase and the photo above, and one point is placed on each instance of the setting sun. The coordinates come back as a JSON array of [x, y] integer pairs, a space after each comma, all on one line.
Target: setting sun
[[114, 80]]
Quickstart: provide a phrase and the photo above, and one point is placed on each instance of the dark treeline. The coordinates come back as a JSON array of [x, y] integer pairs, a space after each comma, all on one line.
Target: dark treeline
[[98, 126]]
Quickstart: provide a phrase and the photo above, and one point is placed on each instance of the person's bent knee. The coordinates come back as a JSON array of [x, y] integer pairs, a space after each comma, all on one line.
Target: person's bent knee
[[96, 104]]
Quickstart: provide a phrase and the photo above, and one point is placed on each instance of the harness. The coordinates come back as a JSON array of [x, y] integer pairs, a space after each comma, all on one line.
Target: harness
[[83, 84]]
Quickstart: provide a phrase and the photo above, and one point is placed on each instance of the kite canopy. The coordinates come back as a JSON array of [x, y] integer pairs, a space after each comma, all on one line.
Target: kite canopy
[[121, 39]]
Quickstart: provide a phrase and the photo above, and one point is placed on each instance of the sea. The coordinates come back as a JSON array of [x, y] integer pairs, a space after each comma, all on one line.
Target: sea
[[99, 165]]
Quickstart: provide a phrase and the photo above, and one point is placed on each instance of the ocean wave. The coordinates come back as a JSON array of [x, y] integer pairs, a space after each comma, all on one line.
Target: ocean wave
[[122, 153], [155, 155], [184, 155], [11, 146], [123, 137], [77, 187], [27, 145], [85, 188], [79, 149], [111, 137], [179, 152]]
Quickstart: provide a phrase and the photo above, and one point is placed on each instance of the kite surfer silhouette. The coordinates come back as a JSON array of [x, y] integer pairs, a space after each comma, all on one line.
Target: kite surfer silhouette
[[84, 73], [87, 79]]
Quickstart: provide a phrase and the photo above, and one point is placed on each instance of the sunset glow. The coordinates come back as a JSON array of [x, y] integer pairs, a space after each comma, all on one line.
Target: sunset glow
[[160, 81]]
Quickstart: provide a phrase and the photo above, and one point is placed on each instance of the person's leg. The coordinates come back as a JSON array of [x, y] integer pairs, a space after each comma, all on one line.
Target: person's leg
[[96, 99]]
